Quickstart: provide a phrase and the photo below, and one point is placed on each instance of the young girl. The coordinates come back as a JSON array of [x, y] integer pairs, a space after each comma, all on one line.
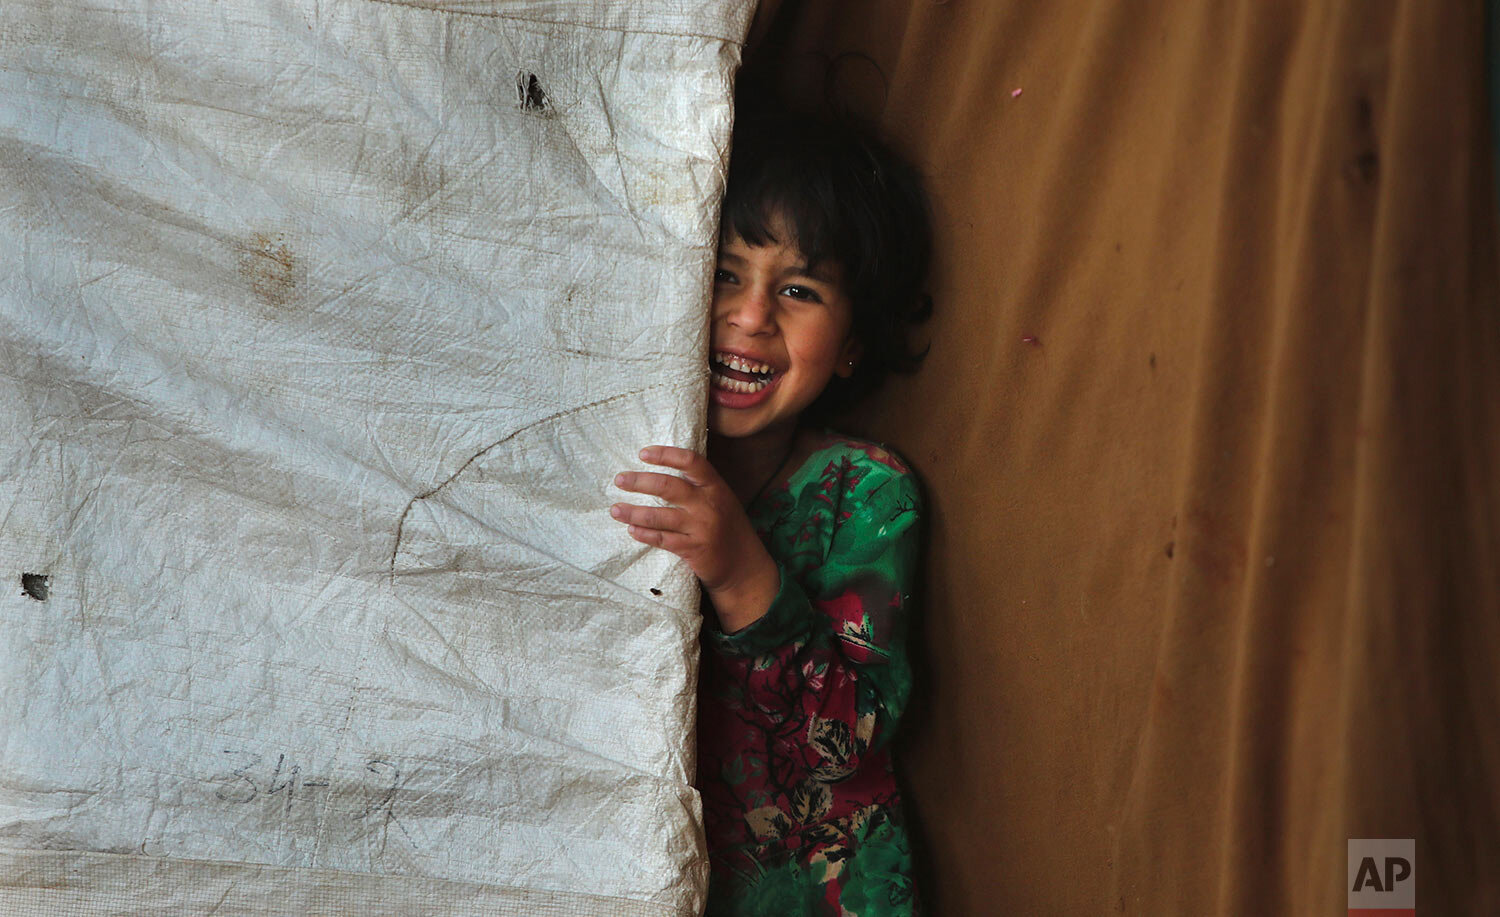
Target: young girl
[[805, 541]]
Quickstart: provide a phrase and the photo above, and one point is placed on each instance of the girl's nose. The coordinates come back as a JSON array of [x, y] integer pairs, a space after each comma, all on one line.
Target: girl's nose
[[752, 310]]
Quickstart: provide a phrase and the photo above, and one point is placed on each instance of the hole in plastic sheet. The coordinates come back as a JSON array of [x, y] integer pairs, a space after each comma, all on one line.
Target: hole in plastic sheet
[[34, 585], [655, 591], [530, 95]]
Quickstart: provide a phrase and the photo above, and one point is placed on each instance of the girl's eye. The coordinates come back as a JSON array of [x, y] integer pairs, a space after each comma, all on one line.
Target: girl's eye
[[807, 294], [723, 276]]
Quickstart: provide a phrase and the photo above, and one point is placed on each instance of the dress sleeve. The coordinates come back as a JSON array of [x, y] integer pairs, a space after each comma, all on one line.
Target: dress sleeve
[[832, 647]]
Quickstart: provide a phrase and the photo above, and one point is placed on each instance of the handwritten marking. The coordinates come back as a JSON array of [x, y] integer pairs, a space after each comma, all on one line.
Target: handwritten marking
[[385, 805]]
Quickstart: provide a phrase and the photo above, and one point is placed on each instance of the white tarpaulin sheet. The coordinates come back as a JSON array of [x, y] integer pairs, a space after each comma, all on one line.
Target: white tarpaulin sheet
[[323, 328]]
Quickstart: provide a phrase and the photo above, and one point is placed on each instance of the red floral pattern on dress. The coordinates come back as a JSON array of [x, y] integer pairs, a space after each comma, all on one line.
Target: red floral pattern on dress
[[797, 709]]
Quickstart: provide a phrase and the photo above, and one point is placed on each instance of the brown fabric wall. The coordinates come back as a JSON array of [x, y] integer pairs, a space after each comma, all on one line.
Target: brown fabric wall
[[1213, 574]]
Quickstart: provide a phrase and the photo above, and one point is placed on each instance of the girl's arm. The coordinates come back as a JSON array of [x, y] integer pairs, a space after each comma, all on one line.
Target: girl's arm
[[833, 645]]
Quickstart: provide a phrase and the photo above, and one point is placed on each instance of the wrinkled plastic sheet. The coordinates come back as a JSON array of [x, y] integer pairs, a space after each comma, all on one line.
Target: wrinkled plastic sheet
[[323, 330]]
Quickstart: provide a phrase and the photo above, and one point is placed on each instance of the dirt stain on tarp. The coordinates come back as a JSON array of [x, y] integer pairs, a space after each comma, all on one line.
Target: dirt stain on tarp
[[422, 183], [271, 268]]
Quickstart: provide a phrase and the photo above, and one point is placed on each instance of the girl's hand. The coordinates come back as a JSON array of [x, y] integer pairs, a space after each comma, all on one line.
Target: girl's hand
[[705, 526]]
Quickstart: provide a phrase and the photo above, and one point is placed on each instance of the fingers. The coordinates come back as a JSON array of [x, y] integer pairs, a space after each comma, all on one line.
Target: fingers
[[695, 468], [658, 518], [650, 523], [675, 542], [667, 486], [691, 520]]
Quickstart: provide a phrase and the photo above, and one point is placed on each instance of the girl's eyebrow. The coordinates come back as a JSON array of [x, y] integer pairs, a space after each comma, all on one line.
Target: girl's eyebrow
[[815, 272], [819, 272]]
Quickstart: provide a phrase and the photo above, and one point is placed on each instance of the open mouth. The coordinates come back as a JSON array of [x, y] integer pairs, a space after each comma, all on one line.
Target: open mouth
[[734, 373]]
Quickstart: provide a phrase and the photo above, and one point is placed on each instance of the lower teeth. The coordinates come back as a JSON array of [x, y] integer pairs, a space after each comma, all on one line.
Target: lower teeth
[[735, 385]]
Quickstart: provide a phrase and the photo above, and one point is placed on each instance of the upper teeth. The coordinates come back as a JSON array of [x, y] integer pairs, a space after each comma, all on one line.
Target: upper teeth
[[744, 366]]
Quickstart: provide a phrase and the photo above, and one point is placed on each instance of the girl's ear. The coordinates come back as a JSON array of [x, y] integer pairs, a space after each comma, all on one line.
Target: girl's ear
[[848, 358]]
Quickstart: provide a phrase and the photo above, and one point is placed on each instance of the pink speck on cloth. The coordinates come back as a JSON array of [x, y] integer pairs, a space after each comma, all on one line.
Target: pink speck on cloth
[[1015, 93]]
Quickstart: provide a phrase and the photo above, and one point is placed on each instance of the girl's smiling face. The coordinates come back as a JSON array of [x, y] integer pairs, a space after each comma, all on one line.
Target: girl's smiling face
[[780, 332]]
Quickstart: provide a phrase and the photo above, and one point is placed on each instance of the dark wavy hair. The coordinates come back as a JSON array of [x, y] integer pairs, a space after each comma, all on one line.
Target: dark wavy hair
[[850, 201]]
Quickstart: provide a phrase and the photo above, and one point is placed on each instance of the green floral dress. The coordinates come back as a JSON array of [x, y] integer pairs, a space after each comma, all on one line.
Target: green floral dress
[[797, 710]]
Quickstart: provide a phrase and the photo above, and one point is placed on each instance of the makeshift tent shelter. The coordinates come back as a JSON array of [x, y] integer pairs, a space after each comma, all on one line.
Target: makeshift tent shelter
[[1211, 431], [323, 328]]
